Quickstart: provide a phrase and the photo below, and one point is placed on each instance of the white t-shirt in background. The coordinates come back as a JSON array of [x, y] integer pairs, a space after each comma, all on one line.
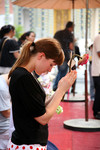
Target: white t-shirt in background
[[5, 104], [95, 57]]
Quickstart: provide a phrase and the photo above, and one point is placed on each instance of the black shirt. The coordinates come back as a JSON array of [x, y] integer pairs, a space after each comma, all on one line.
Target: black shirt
[[64, 37], [28, 101], [7, 57]]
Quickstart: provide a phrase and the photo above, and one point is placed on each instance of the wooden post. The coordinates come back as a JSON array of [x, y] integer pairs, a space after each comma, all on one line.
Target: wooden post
[[86, 97], [86, 91]]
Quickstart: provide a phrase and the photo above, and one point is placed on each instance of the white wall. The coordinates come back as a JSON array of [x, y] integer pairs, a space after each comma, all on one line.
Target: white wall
[[25, 20], [2, 20]]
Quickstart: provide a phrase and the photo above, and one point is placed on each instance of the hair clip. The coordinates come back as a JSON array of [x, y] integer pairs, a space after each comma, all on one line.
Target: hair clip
[[33, 44], [32, 47]]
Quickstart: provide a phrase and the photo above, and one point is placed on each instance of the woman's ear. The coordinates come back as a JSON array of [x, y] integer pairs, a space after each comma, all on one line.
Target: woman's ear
[[27, 37], [40, 55]]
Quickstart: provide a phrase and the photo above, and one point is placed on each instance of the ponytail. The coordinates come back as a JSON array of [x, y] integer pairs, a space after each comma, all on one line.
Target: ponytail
[[23, 58]]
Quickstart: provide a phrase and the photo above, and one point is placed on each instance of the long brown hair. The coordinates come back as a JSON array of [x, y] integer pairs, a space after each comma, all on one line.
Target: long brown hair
[[49, 46]]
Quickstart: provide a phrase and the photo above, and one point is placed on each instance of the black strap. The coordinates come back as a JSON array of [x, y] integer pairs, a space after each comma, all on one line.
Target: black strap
[[2, 45]]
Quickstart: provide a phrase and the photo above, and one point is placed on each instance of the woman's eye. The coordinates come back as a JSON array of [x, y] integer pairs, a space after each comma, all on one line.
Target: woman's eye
[[51, 65]]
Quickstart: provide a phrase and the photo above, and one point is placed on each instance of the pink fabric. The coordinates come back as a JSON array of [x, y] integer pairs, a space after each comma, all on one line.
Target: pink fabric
[[12, 146]]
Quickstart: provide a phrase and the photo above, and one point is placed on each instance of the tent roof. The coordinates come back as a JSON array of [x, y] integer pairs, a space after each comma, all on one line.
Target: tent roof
[[57, 4]]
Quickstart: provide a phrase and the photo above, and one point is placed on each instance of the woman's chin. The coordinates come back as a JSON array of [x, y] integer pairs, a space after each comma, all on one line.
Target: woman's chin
[[45, 73], [41, 73]]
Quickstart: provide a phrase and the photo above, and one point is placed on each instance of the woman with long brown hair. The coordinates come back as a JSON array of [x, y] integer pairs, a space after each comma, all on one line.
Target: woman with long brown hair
[[31, 113]]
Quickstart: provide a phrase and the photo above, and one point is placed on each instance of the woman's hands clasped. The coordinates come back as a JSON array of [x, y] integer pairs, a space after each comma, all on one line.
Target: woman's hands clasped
[[66, 82]]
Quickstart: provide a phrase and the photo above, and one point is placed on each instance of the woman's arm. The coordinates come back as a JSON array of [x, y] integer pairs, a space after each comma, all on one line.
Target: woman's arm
[[6, 113], [98, 54], [64, 84], [16, 54]]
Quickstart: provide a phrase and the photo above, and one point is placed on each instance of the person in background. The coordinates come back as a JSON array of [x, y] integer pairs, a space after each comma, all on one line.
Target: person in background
[[65, 37], [92, 89], [77, 51], [31, 112], [9, 48], [5, 106], [96, 75], [27, 36]]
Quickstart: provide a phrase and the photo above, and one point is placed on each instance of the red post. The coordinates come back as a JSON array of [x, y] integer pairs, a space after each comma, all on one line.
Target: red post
[[86, 97]]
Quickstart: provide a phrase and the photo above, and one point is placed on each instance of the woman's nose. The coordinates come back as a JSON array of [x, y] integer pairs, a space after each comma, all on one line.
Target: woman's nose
[[50, 69]]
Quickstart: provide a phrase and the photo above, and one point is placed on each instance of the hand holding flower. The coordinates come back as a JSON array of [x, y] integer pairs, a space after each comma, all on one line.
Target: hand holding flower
[[83, 60], [66, 82]]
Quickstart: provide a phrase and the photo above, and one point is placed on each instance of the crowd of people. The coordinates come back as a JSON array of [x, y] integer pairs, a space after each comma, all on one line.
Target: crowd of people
[[24, 109]]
